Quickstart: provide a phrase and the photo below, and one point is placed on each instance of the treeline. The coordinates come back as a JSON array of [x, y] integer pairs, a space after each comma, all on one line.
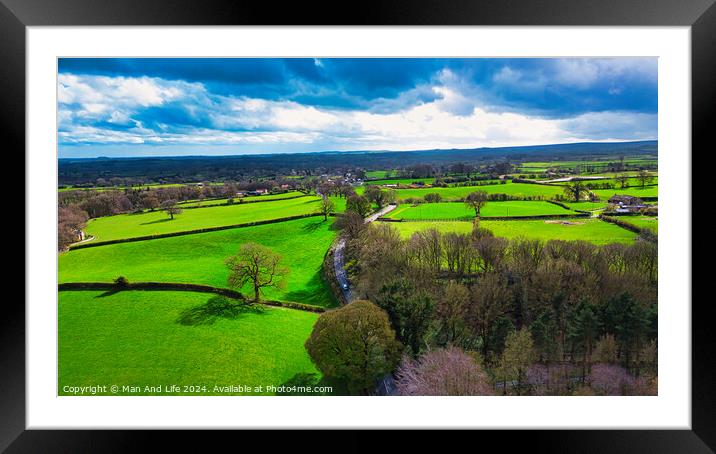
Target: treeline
[[459, 172], [109, 202], [555, 317]]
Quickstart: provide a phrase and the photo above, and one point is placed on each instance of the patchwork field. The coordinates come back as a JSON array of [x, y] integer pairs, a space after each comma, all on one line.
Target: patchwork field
[[588, 229], [376, 174], [542, 166], [644, 222], [138, 338], [339, 204], [648, 191], [457, 210], [157, 222], [458, 193], [199, 258], [587, 206]]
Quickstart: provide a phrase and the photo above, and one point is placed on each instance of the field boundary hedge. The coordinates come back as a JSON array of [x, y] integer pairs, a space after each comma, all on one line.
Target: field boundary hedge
[[175, 286], [643, 232], [493, 218], [191, 232]]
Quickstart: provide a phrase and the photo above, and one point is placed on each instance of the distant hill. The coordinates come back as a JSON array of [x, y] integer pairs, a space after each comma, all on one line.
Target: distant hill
[[198, 168]]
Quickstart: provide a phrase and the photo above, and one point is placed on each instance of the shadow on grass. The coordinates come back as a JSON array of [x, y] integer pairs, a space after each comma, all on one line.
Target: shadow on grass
[[215, 308], [315, 292], [313, 226], [157, 221], [109, 293]]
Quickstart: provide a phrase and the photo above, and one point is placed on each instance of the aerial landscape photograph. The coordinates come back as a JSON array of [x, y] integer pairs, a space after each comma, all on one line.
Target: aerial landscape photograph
[[357, 226]]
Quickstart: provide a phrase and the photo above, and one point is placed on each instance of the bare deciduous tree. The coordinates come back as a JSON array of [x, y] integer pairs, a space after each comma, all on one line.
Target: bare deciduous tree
[[171, 208], [257, 265], [476, 200], [444, 372], [644, 178], [623, 180], [327, 206], [358, 204], [575, 190]]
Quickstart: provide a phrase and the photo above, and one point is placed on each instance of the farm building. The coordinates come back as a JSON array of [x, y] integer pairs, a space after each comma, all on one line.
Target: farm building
[[626, 203]]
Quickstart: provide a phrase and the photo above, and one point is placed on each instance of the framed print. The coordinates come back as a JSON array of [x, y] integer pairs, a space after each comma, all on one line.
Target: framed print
[[449, 225]]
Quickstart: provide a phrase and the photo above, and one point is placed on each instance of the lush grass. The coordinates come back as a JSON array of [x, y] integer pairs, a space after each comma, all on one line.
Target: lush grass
[[377, 174], [644, 222], [339, 203], [648, 191], [457, 210], [457, 193], [253, 198], [588, 229], [587, 206], [152, 223], [199, 258], [444, 210], [139, 338]]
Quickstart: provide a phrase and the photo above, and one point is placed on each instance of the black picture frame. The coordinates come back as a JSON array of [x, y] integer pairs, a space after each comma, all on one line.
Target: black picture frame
[[700, 15]]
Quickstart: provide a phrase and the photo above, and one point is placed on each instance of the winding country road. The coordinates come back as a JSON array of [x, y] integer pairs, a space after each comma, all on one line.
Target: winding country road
[[339, 256], [386, 384]]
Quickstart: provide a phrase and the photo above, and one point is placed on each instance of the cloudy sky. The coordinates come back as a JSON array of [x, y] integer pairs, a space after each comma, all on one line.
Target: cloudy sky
[[139, 107]]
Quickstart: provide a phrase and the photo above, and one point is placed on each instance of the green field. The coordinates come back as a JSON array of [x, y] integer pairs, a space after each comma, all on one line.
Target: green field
[[377, 174], [588, 229], [157, 222], [542, 166], [339, 203], [199, 258], [648, 191], [643, 222], [587, 206], [254, 198], [457, 210], [140, 338], [457, 193]]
